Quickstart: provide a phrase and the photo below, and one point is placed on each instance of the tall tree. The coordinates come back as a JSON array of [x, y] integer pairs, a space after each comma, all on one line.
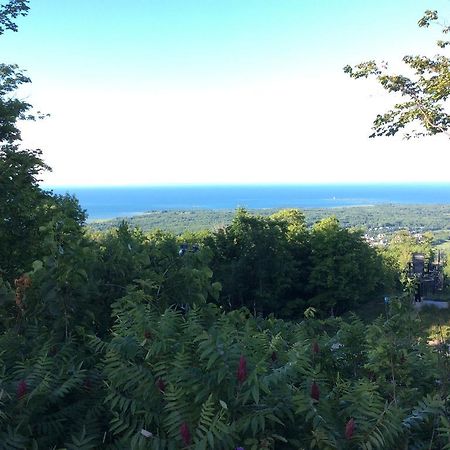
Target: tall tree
[[254, 259], [24, 207], [345, 269]]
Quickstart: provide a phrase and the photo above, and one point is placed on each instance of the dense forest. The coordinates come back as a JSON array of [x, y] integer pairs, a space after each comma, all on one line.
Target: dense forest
[[383, 218], [236, 337]]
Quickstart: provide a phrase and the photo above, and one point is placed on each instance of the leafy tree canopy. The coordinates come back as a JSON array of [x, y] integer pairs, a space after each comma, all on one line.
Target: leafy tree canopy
[[10, 11], [26, 211], [422, 109]]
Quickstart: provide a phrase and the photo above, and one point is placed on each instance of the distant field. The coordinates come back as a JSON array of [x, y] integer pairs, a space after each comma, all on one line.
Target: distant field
[[374, 219], [445, 246]]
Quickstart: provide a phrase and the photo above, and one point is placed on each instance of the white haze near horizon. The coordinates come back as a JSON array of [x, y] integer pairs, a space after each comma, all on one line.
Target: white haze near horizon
[[292, 130]]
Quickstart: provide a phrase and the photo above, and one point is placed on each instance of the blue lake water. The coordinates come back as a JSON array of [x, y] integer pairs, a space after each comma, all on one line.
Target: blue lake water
[[108, 202]]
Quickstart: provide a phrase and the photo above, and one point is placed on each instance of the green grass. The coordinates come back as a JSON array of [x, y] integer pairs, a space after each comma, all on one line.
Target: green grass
[[444, 247], [435, 323]]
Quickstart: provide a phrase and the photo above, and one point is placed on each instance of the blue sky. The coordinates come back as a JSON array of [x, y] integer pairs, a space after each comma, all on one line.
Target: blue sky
[[238, 91]]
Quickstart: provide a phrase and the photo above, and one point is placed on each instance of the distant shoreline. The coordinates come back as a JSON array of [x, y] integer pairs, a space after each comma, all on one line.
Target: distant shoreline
[[230, 210], [382, 218], [106, 203]]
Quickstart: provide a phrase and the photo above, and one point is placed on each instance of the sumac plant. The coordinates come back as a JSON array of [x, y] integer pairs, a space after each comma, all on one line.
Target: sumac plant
[[222, 388]]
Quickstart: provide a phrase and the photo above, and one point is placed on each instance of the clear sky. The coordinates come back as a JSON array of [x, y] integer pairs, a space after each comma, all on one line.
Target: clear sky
[[214, 91]]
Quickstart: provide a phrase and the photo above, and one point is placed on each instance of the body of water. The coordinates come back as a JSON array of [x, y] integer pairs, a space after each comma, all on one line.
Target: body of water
[[109, 202]]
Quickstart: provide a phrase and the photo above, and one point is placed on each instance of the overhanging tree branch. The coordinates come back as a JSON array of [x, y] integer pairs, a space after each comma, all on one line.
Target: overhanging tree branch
[[426, 91]]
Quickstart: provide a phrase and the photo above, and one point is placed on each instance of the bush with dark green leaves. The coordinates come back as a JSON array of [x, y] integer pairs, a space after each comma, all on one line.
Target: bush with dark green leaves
[[278, 265], [193, 376]]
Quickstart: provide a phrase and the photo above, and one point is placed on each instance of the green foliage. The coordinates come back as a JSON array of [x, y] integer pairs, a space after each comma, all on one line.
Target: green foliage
[[25, 210], [11, 10], [50, 389], [401, 247], [113, 342], [153, 264], [158, 368], [186, 371], [377, 219], [345, 270], [277, 265], [423, 94], [254, 259]]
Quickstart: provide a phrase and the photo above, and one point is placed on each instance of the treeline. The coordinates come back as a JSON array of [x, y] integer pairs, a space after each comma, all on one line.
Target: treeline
[[278, 264], [388, 217], [269, 264]]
